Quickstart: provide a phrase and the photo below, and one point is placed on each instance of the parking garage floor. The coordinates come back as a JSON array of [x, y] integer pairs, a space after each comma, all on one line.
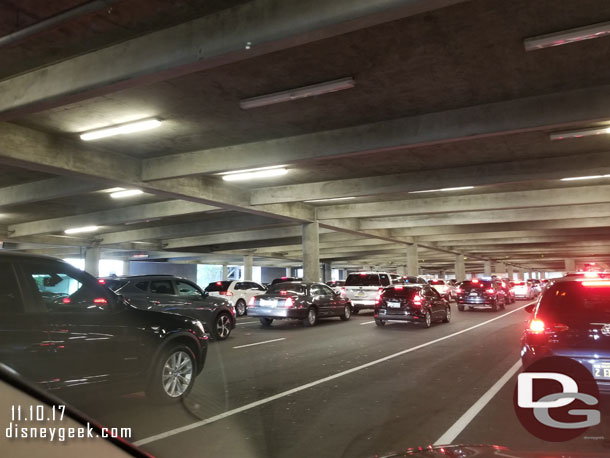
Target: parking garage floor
[[345, 389]]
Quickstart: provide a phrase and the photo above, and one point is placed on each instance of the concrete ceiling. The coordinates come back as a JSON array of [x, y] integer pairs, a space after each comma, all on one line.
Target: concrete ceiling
[[445, 96]]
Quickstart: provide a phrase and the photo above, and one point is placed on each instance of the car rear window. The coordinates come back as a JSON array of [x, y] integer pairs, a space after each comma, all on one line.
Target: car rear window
[[482, 284], [218, 286], [403, 293], [362, 280], [577, 301], [290, 288]]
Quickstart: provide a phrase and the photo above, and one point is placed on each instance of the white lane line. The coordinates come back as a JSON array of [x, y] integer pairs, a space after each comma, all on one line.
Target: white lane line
[[367, 322], [260, 343], [476, 408], [229, 413], [247, 322]]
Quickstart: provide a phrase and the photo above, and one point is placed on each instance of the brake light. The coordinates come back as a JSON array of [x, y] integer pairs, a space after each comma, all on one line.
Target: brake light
[[100, 301], [398, 288], [459, 291], [475, 280], [362, 274], [596, 283], [417, 300], [283, 278], [219, 283], [251, 301], [591, 275], [490, 291], [288, 302], [226, 293], [536, 326], [378, 297], [342, 289], [101, 281], [283, 292], [66, 300]]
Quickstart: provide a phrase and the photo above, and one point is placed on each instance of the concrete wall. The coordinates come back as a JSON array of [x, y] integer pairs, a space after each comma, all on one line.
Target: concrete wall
[[180, 270]]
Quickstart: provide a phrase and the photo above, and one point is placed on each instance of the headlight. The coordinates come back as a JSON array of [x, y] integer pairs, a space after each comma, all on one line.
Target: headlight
[[199, 325]]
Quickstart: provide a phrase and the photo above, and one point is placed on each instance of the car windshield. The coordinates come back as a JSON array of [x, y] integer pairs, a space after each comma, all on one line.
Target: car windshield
[[587, 301], [480, 284], [362, 280], [286, 288]]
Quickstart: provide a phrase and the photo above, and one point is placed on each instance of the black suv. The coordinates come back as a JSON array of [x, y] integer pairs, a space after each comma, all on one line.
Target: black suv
[[572, 319], [415, 303], [62, 329], [166, 293], [477, 293]]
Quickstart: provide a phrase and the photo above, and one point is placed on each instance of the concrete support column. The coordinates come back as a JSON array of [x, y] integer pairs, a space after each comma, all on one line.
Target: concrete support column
[[289, 271], [225, 272], [487, 268], [248, 261], [311, 252], [126, 265], [401, 270], [500, 268], [460, 268], [511, 273], [326, 272], [521, 274], [92, 260], [570, 265], [412, 261]]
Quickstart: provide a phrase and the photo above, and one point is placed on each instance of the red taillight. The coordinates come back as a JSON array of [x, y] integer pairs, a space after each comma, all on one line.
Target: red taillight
[[417, 300], [490, 291], [283, 292], [459, 291], [601, 283], [66, 300], [226, 293], [536, 326], [284, 278], [342, 289], [252, 301], [219, 283], [101, 281], [398, 288], [362, 274], [475, 280], [100, 301], [288, 302]]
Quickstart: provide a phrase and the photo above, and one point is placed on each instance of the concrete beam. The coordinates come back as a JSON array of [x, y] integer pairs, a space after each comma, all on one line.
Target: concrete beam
[[245, 31], [519, 115], [491, 216], [473, 175], [52, 188], [470, 202], [122, 215]]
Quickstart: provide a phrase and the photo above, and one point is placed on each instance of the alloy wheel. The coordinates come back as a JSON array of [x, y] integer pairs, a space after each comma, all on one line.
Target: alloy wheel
[[177, 374]]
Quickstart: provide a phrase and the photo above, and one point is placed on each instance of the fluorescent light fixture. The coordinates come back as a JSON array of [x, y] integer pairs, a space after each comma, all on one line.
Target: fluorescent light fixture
[[565, 37], [458, 188], [269, 167], [126, 193], [590, 177], [331, 199], [80, 230], [120, 129], [109, 190], [580, 133], [298, 93], [141, 221], [254, 174]]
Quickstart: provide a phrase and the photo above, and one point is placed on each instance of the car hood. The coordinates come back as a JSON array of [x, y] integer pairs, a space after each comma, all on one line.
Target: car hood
[[479, 451], [216, 301]]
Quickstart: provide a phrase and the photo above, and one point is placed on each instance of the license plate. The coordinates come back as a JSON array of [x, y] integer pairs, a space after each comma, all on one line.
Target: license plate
[[601, 371], [268, 302], [394, 305], [473, 294], [360, 293]]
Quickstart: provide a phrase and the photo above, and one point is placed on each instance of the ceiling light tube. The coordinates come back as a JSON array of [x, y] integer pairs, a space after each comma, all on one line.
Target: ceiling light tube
[[330, 199], [80, 230], [458, 188], [242, 176], [253, 170], [580, 133], [590, 177], [120, 129], [298, 93], [565, 37], [126, 193]]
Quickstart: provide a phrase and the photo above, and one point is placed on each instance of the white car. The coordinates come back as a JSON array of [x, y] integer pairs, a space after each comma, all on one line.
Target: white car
[[238, 292], [444, 288]]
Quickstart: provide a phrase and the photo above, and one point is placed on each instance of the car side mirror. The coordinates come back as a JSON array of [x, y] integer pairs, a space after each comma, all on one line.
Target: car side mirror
[[530, 308]]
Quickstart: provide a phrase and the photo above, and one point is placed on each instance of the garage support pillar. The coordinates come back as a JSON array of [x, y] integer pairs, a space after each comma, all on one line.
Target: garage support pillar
[[248, 267], [327, 272], [126, 266], [289, 271], [500, 268], [510, 272], [487, 268], [570, 265], [92, 260], [521, 274], [460, 268], [412, 261], [311, 252], [225, 272]]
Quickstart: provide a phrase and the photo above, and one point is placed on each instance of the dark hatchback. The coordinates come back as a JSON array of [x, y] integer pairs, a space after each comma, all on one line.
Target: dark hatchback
[[166, 293], [275, 281], [64, 331], [299, 301], [477, 293], [412, 303], [572, 319]]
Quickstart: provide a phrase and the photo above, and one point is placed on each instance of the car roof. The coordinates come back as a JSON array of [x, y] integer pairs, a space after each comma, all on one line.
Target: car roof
[[15, 254], [146, 277]]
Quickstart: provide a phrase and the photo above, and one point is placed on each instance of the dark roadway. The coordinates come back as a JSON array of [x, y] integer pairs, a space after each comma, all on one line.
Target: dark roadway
[[408, 400]]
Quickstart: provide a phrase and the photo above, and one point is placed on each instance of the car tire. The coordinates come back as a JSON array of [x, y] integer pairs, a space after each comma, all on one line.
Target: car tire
[[447, 318], [165, 386], [379, 322], [494, 306], [427, 320], [266, 321], [312, 317], [222, 326], [347, 312], [240, 307], [461, 308], [503, 304]]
